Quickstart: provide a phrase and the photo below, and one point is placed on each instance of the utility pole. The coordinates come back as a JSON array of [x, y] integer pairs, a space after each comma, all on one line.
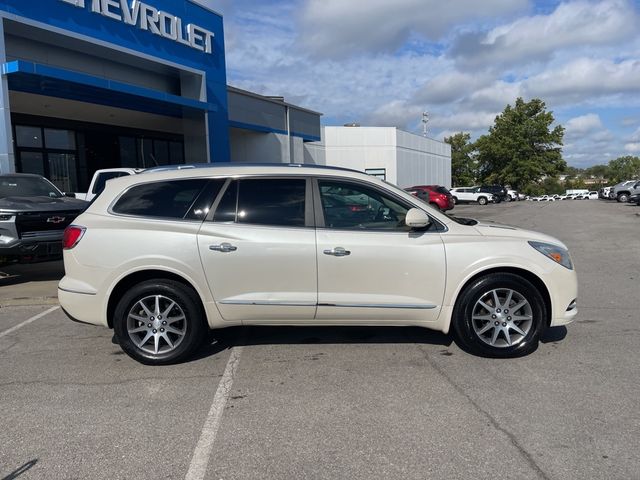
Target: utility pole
[[425, 122]]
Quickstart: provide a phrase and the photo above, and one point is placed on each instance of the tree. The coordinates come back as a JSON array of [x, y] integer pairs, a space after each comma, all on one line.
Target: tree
[[463, 165], [521, 148], [624, 168]]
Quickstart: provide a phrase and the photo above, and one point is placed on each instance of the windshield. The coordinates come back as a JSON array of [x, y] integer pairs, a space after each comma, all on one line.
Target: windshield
[[27, 187]]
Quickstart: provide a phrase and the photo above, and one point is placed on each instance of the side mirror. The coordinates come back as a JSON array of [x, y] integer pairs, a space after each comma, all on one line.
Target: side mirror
[[417, 218], [70, 195]]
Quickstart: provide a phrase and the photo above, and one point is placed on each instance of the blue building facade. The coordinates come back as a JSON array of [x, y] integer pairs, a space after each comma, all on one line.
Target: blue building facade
[[90, 84]]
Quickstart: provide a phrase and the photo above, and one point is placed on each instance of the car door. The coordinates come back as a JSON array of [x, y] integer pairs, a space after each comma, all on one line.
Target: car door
[[371, 267], [258, 250]]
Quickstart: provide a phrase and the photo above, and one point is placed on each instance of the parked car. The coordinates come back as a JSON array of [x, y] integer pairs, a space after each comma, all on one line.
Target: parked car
[[498, 191], [99, 180], [435, 195], [625, 193], [165, 256], [471, 195], [33, 216], [604, 193], [593, 195], [512, 195], [522, 196], [622, 190]]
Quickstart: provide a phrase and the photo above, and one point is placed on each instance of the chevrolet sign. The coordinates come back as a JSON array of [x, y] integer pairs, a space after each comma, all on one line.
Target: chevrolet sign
[[148, 18]]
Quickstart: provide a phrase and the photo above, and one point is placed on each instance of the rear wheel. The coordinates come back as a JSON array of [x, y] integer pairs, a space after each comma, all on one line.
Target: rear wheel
[[455, 200], [500, 315], [159, 322], [482, 200]]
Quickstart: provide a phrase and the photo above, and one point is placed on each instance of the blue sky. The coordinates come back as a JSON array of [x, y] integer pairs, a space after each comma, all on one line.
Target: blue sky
[[383, 62]]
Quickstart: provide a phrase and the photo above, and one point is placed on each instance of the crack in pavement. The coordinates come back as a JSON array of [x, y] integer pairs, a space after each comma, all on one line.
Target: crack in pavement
[[512, 438]]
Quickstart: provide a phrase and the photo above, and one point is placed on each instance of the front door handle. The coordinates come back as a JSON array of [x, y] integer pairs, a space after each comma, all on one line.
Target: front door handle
[[338, 252], [223, 247]]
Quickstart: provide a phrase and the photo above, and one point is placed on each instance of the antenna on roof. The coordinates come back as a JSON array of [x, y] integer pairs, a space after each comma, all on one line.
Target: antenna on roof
[[425, 122]]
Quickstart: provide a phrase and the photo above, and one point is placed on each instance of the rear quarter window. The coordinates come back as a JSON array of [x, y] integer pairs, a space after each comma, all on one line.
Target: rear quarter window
[[172, 199]]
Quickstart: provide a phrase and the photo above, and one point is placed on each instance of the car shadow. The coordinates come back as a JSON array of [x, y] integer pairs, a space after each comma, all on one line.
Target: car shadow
[[220, 340], [554, 334], [17, 274]]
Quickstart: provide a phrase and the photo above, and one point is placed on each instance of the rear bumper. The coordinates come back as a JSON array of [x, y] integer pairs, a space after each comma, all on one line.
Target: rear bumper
[[81, 307]]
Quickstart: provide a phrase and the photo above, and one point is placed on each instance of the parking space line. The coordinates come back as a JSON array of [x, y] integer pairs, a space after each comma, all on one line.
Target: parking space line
[[27, 322], [202, 452]]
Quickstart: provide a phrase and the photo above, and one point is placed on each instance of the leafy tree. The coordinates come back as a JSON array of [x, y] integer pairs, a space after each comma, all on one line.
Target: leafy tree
[[521, 147], [597, 171], [624, 168], [463, 164]]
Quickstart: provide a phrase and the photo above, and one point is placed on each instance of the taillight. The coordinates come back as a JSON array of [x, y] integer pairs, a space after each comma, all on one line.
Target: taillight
[[72, 235]]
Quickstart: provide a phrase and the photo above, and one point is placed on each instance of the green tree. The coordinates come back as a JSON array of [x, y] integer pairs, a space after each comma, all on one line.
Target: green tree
[[624, 168], [521, 147], [463, 164], [598, 171]]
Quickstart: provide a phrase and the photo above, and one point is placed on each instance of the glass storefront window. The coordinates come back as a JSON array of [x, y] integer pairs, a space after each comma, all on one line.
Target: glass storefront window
[[62, 171], [32, 162], [59, 139], [28, 136]]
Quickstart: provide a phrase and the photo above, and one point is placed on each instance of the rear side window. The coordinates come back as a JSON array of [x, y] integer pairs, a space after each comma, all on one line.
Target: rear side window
[[264, 201], [442, 190], [171, 199]]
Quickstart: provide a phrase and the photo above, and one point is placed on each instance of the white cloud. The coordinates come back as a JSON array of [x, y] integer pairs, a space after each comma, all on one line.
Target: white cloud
[[534, 38], [632, 147], [585, 78], [451, 86], [582, 125], [339, 27]]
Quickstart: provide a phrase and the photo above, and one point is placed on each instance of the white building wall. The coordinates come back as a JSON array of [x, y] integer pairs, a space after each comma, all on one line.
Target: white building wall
[[407, 158], [357, 148], [256, 147], [422, 161]]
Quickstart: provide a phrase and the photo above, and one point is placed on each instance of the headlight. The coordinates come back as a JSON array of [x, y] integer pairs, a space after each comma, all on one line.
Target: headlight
[[555, 253]]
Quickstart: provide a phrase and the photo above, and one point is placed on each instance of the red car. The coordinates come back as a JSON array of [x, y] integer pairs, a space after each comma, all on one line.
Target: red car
[[435, 195]]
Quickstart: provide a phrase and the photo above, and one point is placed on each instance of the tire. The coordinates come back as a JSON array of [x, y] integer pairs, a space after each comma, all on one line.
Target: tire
[[623, 197], [176, 339], [482, 200], [476, 334], [498, 200], [455, 200], [508, 198]]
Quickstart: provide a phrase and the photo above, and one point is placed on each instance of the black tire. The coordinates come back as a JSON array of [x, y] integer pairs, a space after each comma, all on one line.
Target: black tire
[[193, 325], [455, 200], [507, 198], [623, 198], [482, 200], [463, 324]]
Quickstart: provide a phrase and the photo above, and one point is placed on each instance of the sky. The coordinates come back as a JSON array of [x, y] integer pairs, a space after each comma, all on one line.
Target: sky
[[384, 62]]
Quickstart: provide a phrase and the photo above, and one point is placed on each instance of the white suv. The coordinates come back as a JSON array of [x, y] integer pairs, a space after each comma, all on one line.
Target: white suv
[[162, 257], [471, 195]]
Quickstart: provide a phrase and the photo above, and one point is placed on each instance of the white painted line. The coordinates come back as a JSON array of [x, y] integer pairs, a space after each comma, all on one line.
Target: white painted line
[[200, 459], [27, 322]]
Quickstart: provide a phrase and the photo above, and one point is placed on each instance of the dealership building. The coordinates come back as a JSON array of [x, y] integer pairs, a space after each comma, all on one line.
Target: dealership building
[[90, 84]]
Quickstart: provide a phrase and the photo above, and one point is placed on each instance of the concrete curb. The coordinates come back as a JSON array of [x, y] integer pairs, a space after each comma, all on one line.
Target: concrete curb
[[27, 301]]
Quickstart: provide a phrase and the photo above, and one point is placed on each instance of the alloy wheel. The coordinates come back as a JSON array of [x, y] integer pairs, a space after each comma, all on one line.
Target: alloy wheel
[[502, 318], [156, 324]]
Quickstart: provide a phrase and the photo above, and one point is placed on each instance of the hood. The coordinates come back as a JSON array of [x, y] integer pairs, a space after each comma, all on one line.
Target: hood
[[489, 229], [41, 204]]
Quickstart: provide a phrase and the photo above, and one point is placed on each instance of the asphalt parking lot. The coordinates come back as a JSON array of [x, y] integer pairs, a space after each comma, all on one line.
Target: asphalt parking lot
[[355, 403]]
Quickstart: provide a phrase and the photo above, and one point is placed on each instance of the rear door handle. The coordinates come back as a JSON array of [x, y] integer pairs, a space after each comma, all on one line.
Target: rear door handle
[[223, 247], [338, 252]]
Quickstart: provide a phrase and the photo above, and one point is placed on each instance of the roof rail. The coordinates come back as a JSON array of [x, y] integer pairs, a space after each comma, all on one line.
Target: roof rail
[[164, 168]]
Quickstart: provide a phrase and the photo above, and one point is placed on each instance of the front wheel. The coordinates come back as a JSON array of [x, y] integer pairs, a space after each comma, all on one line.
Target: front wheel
[[455, 201], [623, 198], [159, 322], [482, 201], [500, 315]]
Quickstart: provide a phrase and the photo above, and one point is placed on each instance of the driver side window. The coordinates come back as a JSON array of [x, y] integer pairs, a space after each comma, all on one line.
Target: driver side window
[[357, 207]]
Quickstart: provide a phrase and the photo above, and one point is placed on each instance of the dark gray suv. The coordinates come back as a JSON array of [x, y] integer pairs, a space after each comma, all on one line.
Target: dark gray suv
[[33, 216]]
